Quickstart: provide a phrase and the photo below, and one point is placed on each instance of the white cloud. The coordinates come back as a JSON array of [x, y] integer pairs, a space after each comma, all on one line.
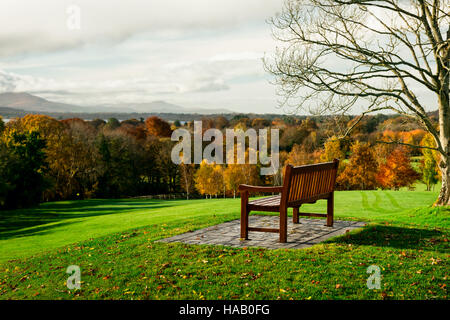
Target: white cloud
[[28, 26], [196, 53]]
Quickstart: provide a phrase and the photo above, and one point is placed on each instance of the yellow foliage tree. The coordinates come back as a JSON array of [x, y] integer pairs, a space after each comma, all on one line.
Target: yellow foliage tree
[[332, 150], [208, 179], [300, 156]]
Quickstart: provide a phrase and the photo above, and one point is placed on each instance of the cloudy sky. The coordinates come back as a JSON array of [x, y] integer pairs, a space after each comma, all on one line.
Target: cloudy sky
[[196, 53]]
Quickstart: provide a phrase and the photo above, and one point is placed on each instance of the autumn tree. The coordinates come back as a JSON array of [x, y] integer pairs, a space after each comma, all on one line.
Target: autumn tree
[[277, 178], [77, 172], [151, 170], [430, 175], [260, 123], [300, 156], [233, 178], [168, 169], [187, 172], [221, 122], [332, 150], [158, 127], [56, 148], [360, 172], [217, 180], [397, 171], [385, 55], [236, 174], [292, 135], [138, 131], [5, 184], [203, 178], [97, 123]]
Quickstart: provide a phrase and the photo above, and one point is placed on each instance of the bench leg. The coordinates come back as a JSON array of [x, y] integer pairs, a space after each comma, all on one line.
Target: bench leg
[[283, 225], [244, 215], [295, 218], [330, 210]]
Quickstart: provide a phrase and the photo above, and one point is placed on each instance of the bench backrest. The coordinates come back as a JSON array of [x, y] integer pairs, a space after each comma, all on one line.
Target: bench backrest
[[309, 182]]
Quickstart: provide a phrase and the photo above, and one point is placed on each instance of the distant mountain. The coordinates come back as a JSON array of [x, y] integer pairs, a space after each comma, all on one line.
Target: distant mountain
[[155, 107], [28, 102], [164, 107]]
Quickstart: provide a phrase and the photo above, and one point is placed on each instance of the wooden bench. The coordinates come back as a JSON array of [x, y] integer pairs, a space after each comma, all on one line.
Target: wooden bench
[[303, 184]]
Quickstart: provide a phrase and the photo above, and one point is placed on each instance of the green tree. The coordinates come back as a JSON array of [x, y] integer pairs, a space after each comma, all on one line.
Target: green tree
[[112, 124], [120, 160], [22, 169]]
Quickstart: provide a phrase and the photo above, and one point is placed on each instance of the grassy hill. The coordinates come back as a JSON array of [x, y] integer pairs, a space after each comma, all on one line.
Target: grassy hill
[[112, 242]]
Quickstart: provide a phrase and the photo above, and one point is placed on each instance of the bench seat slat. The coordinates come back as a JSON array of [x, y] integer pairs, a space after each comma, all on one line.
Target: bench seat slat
[[266, 202]]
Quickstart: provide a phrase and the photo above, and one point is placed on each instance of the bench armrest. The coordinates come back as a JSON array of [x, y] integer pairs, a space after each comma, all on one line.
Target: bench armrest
[[246, 187]]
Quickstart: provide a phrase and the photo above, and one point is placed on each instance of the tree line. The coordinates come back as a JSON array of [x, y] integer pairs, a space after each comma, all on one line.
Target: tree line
[[45, 159]]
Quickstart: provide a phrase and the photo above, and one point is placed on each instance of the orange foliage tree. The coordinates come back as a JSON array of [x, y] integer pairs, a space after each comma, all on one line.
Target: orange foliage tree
[[397, 171], [413, 137], [158, 127], [360, 172]]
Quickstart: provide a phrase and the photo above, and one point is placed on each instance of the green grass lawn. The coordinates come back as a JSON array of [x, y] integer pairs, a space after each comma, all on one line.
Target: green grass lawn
[[113, 243]]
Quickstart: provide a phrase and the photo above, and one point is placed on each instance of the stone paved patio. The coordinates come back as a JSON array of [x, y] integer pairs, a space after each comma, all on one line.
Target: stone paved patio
[[305, 234]]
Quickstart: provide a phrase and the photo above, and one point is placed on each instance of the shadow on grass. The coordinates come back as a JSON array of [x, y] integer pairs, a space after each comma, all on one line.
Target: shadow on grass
[[397, 237], [15, 223]]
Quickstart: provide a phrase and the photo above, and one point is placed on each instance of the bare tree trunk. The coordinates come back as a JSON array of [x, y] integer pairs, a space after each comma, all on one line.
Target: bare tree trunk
[[444, 128], [444, 195]]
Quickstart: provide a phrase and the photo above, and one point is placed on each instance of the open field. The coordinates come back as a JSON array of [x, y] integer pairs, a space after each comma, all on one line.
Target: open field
[[55, 224], [112, 242]]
